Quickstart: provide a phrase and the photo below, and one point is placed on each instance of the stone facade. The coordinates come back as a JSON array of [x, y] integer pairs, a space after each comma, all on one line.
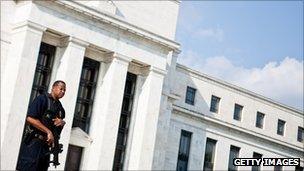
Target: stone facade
[[134, 37]]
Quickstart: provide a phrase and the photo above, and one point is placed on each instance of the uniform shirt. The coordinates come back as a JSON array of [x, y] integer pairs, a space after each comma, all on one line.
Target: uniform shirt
[[40, 104]]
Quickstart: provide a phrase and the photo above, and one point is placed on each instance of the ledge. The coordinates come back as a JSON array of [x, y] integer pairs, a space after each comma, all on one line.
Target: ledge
[[118, 23], [79, 138]]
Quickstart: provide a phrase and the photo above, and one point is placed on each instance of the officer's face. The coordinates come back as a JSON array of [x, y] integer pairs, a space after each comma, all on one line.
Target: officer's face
[[58, 90]]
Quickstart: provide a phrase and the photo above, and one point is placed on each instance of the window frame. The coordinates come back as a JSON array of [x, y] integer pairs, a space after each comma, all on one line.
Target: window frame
[[213, 142], [69, 159], [190, 91], [281, 123], [257, 156], [215, 107], [181, 156], [240, 112], [124, 122], [86, 94], [230, 160], [260, 124], [300, 135], [299, 168], [43, 70], [277, 168]]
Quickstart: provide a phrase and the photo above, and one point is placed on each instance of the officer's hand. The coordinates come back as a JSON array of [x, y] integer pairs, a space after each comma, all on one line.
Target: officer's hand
[[50, 138], [58, 122]]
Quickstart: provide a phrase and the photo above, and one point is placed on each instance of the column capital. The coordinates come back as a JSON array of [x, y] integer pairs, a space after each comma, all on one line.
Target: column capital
[[146, 70], [29, 24], [114, 55], [157, 70], [66, 40]]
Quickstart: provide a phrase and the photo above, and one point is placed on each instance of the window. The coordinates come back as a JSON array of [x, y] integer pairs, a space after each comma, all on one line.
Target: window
[[281, 127], [124, 122], [209, 154], [260, 120], [237, 112], [300, 134], [234, 153], [190, 95], [257, 156], [299, 168], [73, 158], [215, 101], [86, 92], [184, 150], [43, 70], [278, 168]]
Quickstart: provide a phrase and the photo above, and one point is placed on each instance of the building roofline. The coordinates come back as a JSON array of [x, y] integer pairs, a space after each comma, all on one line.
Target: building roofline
[[241, 90], [108, 18]]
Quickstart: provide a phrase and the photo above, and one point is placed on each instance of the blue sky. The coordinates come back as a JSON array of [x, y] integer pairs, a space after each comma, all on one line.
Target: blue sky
[[257, 45]]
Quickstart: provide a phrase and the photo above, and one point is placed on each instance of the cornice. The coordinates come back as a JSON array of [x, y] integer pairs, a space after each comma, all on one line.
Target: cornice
[[118, 23], [31, 25], [200, 116], [242, 90]]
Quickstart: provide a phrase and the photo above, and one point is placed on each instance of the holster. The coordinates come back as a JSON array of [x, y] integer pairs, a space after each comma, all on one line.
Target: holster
[[28, 135]]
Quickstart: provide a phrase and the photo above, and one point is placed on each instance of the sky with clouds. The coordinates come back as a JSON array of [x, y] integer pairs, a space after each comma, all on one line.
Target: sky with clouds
[[257, 45]]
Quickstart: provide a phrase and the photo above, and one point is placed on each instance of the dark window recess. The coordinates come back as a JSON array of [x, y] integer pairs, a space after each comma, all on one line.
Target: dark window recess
[[234, 153], [209, 154], [260, 120], [190, 95], [184, 150], [43, 70], [256, 156], [124, 122], [215, 101], [299, 168], [73, 158], [86, 92], [237, 115], [300, 134], [281, 127], [277, 168]]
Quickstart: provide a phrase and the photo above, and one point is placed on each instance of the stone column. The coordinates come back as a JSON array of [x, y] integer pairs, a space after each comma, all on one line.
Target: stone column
[[167, 100], [245, 153], [106, 115], [221, 161], [69, 71], [16, 86], [144, 136]]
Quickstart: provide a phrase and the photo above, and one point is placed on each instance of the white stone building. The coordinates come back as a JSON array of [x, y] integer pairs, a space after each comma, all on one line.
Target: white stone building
[[128, 104]]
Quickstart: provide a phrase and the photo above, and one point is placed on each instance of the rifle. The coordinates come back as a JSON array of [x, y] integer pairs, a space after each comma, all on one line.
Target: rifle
[[56, 149], [47, 120]]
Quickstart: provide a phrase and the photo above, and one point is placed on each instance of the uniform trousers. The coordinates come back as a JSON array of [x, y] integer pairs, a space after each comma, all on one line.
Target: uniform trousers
[[34, 156]]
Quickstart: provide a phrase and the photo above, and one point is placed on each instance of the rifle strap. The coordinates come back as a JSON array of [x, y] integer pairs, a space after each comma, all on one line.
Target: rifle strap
[[49, 103]]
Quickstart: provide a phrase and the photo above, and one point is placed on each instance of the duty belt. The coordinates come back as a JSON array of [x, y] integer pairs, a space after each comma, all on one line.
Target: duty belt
[[41, 137]]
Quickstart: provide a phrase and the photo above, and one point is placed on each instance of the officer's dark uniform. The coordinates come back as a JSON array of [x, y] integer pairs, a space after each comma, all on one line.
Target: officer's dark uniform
[[34, 151]]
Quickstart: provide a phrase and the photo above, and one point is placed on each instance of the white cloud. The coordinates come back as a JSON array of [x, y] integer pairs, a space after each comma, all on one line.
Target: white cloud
[[281, 81], [217, 33], [188, 12]]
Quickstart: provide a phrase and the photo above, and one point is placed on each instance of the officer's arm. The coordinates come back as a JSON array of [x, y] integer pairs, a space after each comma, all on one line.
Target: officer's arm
[[59, 122], [37, 124]]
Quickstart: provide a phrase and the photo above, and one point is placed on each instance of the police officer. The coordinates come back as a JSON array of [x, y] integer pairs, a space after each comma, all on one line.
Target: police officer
[[34, 152]]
